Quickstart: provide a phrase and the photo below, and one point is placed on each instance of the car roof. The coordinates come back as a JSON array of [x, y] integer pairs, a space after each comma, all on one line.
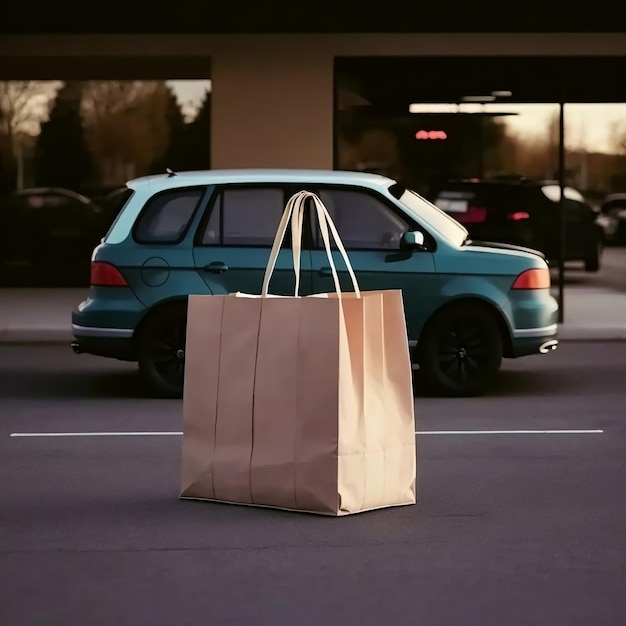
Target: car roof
[[59, 191], [258, 175], [492, 183], [615, 196]]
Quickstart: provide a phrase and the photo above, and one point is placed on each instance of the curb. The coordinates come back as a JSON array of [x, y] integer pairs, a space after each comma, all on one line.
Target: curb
[[64, 335], [584, 333], [35, 335]]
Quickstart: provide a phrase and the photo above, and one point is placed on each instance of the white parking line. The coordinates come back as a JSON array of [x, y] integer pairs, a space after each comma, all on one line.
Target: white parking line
[[508, 432], [146, 433], [149, 433]]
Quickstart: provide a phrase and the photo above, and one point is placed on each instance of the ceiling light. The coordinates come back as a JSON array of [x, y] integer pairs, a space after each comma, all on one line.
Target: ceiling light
[[417, 107], [478, 98], [502, 94]]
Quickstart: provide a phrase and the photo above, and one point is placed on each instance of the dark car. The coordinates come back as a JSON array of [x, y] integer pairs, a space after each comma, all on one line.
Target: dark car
[[48, 225], [112, 202], [613, 218], [524, 212]]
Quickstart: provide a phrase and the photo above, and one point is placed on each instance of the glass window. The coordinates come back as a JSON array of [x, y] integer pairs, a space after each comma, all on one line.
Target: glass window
[[249, 217], [553, 192], [434, 217], [166, 216], [363, 221]]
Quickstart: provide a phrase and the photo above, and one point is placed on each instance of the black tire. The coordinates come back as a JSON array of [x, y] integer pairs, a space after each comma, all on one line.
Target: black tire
[[592, 264], [161, 351], [460, 350]]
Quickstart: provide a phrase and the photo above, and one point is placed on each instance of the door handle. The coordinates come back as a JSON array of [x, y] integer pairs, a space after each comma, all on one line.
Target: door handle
[[217, 267], [325, 271]]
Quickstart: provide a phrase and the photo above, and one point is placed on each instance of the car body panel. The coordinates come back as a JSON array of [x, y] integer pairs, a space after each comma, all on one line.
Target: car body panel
[[155, 273], [377, 270], [246, 270], [612, 218]]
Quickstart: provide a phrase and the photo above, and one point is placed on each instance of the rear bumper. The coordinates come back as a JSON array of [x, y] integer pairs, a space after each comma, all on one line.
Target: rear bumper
[[535, 322], [527, 341], [121, 349], [101, 333], [533, 333], [104, 323]]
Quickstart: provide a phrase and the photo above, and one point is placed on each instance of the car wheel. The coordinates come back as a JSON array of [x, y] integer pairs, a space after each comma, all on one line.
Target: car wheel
[[460, 350], [592, 264], [161, 351]]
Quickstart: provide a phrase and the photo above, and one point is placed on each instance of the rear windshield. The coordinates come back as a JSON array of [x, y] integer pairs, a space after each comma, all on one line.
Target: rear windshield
[[611, 205], [496, 201]]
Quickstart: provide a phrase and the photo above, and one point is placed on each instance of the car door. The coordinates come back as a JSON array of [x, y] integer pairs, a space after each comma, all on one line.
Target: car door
[[232, 247], [371, 230]]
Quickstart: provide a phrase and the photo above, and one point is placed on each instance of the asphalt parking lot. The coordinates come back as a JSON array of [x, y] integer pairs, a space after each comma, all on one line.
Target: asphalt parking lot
[[521, 515]]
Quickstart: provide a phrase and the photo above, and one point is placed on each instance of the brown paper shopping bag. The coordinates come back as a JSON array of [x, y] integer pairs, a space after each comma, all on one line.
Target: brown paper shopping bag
[[302, 403]]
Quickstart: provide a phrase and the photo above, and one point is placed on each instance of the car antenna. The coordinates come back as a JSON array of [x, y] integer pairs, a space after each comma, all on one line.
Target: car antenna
[[170, 173]]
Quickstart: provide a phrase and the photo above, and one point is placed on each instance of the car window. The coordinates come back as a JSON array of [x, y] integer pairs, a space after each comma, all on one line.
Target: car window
[[166, 216], [245, 217], [363, 221], [613, 205], [553, 193]]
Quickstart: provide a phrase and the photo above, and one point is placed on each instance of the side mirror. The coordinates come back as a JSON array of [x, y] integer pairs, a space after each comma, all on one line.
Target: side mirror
[[413, 239]]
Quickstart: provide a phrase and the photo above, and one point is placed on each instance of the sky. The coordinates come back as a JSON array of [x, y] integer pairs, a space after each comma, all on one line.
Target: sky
[[189, 93], [592, 127], [587, 126]]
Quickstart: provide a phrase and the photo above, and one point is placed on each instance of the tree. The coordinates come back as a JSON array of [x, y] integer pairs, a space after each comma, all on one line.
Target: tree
[[62, 158], [176, 154], [125, 126], [23, 106], [199, 136], [7, 179]]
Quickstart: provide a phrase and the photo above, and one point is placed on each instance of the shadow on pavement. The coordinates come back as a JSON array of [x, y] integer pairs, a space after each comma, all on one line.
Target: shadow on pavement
[[99, 379]]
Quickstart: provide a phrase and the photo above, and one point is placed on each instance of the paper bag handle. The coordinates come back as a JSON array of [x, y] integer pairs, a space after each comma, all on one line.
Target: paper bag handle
[[294, 210], [326, 223], [296, 245]]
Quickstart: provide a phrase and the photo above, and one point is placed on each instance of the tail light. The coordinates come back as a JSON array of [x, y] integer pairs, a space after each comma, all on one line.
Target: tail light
[[106, 275], [536, 278], [518, 215], [473, 215]]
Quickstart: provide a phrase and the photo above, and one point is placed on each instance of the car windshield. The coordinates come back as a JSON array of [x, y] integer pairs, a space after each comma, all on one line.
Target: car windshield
[[434, 217]]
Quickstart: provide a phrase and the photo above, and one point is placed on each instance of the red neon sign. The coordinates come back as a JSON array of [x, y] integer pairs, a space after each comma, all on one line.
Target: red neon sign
[[431, 134]]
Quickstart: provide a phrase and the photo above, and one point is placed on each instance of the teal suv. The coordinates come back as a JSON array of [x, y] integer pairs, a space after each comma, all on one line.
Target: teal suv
[[468, 304]]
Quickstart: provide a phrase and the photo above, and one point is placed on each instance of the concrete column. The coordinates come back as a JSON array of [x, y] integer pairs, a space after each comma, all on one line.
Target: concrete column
[[271, 107]]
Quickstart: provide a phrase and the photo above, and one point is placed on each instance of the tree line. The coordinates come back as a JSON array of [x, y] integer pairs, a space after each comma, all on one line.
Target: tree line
[[95, 134]]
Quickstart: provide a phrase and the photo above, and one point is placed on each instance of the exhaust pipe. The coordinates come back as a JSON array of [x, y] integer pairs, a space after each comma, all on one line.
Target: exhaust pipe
[[548, 346], [76, 347]]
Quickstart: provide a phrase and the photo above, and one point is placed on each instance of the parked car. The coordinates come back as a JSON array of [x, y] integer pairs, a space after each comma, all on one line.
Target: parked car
[[112, 202], [467, 305], [613, 218], [525, 212], [48, 225]]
